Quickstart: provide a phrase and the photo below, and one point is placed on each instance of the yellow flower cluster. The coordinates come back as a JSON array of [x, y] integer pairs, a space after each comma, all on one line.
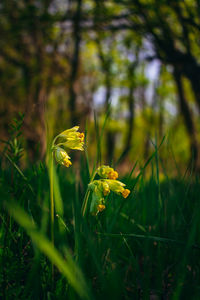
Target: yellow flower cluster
[[69, 139], [101, 188]]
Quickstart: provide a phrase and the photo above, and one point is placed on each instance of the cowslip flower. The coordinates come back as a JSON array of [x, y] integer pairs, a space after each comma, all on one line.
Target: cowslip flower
[[72, 139], [117, 187], [101, 188], [68, 139], [107, 172]]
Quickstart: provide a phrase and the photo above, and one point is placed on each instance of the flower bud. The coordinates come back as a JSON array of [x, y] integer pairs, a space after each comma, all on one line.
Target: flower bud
[[62, 157], [107, 172], [100, 207], [97, 199]]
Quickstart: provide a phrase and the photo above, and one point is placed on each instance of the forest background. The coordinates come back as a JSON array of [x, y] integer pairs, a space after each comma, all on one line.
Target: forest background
[[128, 73], [135, 63]]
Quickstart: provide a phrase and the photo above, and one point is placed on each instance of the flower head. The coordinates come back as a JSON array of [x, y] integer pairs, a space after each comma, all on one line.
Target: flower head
[[73, 139], [115, 185], [68, 139], [107, 172], [118, 187], [101, 188], [101, 185]]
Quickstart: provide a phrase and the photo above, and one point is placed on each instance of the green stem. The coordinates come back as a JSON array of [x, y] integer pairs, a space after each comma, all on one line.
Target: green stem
[[86, 197], [52, 208], [85, 202]]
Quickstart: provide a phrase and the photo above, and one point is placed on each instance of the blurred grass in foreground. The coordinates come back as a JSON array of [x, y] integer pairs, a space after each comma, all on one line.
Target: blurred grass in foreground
[[145, 246]]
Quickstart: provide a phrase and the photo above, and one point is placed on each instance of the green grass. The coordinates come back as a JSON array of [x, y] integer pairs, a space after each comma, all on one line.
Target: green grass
[[147, 245]]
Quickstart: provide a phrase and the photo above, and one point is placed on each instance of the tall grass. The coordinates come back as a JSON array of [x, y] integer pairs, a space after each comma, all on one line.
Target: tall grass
[[144, 247]]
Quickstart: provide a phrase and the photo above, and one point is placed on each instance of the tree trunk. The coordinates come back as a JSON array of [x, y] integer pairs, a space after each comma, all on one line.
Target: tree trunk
[[130, 121], [34, 120], [189, 124], [106, 61], [75, 63], [194, 77], [150, 119], [110, 136]]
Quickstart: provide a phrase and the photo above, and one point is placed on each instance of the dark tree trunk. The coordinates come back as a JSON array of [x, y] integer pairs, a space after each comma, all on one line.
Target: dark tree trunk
[[110, 136], [188, 120], [193, 74], [34, 120], [150, 120], [75, 64], [130, 120], [106, 61]]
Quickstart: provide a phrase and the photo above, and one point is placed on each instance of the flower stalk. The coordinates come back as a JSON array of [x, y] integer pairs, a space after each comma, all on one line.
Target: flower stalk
[[52, 209], [69, 139], [86, 197]]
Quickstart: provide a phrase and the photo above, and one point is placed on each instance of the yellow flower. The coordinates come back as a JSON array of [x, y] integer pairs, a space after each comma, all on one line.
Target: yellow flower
[[62, 157], [115, 185], [72, 139], [125, 193], [67, 163], [118, 187], [113, 175], [68, 131], [100, 207], [106, 189], [102, 187], [107, 172]]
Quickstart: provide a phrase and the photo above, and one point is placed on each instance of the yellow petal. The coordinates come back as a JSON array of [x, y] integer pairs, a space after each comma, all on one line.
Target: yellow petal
[[125, 193], [113, 174], [100, 207], [67, 131]]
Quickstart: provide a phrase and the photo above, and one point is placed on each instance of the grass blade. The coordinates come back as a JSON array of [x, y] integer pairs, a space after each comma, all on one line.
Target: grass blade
[[67, 267]]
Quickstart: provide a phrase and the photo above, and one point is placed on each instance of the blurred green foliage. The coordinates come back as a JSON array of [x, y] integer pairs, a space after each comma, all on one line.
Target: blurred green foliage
[[128, 73]]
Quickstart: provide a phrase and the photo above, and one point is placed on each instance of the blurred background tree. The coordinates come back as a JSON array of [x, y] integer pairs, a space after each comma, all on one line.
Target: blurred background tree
[[136, 62]]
